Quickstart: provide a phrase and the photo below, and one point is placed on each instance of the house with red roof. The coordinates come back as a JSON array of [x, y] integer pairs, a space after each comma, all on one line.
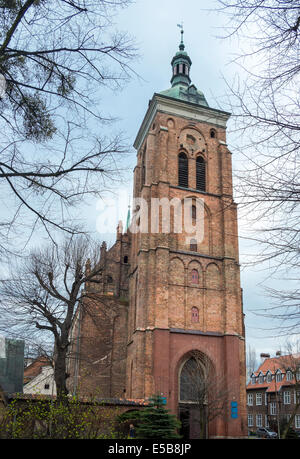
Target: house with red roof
[[273, 392]]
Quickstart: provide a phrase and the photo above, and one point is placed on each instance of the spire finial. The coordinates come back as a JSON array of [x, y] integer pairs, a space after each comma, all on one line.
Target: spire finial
[[181, 46]]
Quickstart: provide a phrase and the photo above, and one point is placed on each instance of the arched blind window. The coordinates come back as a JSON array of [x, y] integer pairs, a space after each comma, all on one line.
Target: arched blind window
[[195, 276], [200, 174], [183, 170]]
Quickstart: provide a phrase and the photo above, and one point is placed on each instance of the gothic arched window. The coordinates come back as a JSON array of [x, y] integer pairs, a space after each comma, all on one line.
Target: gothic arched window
[[190, 381], [200, 174], [183, 170], [195, 315]]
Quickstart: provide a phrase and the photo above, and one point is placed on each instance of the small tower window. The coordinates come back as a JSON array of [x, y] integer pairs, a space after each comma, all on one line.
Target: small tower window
[[194, 212], [195, 276], [126, 259], [195, 315], [200, 174], [193, 245], [183, 170], [213, 134], [109, 279]]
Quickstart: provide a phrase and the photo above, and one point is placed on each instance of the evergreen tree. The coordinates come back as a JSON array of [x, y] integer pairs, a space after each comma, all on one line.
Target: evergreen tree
[[154, 421]]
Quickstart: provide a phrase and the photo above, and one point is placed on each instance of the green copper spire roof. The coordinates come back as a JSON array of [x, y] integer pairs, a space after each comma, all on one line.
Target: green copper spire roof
[[181, 83]]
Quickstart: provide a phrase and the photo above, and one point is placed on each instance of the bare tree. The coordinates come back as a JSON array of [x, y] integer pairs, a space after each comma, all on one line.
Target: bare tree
[[251, 361], [55, 148], [265, 104], [208, 391], [40, 297]]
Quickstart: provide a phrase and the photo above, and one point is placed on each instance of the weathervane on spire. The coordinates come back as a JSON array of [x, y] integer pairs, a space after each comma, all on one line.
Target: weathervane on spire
[[181, 46]]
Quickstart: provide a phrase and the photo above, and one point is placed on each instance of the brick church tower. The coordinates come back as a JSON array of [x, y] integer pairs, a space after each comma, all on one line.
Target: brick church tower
[[184, 296], [184, 301]]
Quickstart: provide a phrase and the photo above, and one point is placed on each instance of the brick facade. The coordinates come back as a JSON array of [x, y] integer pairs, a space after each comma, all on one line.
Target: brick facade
[[152, 326]]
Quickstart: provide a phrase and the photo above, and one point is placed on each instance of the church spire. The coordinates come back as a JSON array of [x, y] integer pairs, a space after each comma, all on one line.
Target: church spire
[[181, 64]]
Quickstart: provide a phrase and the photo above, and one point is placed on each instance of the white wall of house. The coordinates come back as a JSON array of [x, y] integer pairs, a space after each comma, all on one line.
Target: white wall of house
[[42, 384]]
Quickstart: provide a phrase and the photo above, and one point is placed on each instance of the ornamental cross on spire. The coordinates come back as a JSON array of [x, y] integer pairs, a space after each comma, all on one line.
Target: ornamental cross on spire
[[181, 46]]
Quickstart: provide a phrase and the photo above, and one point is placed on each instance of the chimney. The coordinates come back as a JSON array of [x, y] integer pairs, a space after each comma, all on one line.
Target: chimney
[[278, 353], [264, 357]]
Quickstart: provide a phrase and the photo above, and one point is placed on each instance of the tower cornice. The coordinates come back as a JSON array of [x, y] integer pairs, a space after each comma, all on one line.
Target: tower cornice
[[181, 108]]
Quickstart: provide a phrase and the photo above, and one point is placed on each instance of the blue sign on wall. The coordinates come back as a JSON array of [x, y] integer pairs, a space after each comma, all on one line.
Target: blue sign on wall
[[234, 410]]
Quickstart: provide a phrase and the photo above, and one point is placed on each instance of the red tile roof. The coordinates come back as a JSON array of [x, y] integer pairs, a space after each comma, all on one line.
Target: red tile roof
[[282, 363]]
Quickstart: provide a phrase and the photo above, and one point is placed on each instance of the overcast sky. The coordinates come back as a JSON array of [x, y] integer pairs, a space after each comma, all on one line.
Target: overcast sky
[[154, 26]]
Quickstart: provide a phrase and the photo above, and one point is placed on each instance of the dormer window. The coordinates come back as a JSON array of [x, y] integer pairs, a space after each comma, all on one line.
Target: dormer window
[[289, 375], [269, 377], [253, 380], [261, 379], [278, 376]]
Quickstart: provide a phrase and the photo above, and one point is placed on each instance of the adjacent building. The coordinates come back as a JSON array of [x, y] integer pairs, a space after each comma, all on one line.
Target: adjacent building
[[273, 392]]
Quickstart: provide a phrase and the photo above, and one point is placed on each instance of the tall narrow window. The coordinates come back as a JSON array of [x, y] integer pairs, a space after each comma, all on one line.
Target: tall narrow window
[[200, 174], [183, 170]]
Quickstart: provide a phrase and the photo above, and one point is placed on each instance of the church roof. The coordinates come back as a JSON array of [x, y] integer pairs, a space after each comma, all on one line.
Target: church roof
[[186, 93]]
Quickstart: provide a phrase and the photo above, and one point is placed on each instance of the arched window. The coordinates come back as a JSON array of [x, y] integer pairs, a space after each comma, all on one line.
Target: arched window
[[213, 134], [183, 170], [200, 174], [195, 315], [194, 276], [190, 381], [193, 245]]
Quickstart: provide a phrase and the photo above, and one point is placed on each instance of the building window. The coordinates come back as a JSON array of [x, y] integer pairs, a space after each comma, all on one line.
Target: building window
[[46, 386], [195, 314], [200, 174], [258, 398], [269, 377], [287, 397], [250, 399], [250, 420], [190, 373], [213, 134], [266, 398], [297, 421], [183, 170], [193, 245], [253, 380], [109, 279], [258, 420], [278, 376], [194, 276], [289, 375], [126, 259], [194, 212], [273, 408], [260, 379]]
